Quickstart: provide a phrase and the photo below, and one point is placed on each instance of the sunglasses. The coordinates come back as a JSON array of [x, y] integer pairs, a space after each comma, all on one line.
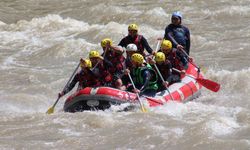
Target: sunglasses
[[134, 31]]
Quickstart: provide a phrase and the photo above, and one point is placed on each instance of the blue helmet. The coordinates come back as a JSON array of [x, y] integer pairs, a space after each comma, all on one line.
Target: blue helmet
[[177, 14]]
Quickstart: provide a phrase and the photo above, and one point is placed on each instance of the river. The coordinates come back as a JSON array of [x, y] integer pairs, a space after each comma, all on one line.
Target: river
[[42, 41]]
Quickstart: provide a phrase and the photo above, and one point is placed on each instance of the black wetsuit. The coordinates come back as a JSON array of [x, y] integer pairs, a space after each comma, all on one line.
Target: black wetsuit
[[178, 34]]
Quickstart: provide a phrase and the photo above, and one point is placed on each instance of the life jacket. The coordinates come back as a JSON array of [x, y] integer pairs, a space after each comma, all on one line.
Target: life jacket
[[87, 79], [175, 60], [137, 42], [138, 77], [164, 69], [117, 61], [102, 73]]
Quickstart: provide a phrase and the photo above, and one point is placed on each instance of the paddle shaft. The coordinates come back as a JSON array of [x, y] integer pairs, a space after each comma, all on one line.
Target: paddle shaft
[[140, 102], [105, 51], [67, 83], [158, 71], [185, 53]]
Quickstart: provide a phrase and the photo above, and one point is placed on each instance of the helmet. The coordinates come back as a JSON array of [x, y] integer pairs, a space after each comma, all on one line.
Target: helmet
[[87, 63], [137, 58], [133, 27], [160, 57], [166, 44], [105, 41], [177, 14], [131, 48], [94, 54]]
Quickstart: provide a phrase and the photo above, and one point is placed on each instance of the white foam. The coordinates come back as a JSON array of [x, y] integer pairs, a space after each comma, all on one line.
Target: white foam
[[231, 10], [70, 132], [158, 12], [24, 103], [222, 126], [231, 80], [173, 109], [219, 120], [2, 23]]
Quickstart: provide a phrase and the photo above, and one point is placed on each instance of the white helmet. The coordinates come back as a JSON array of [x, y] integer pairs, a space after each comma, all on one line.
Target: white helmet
[[131, 48]]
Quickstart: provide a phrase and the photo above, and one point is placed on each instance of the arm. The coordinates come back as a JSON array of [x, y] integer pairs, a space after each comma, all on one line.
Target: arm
[[122, 43], [146, 45], [188, 41], [183, 59], [169, 36], [146, 78], [71, 85]]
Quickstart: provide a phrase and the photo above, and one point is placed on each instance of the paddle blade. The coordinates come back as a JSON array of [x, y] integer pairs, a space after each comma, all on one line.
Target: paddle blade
[[143, 109], [211, 85], [50, 110]]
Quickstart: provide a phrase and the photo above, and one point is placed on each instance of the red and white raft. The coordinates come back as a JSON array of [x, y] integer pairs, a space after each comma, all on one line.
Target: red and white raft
[[102, 98]]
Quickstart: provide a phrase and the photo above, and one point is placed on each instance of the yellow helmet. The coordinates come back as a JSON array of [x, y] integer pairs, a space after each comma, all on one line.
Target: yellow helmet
[[137, 58], [94, 54], [105, 41], [166, 44], [87, 63], [133, 27], [160, 57]]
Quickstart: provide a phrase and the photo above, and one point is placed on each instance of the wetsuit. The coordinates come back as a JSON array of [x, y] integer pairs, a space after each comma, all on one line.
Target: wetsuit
[[178, 34]]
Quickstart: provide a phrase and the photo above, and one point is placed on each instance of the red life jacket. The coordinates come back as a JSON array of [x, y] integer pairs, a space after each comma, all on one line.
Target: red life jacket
[[117, 61], [87, 79], [175, 61], [104, 75], [137, 42]]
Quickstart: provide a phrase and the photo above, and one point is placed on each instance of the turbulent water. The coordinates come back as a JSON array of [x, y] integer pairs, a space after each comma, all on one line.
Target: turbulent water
[[41, 43]]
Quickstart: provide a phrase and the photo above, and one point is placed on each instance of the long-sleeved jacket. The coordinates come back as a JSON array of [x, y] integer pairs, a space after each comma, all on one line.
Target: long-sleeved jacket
[[178, 34]]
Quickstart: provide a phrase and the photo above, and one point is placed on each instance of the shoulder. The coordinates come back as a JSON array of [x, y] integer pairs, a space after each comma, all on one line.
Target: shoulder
[[170, 26], [141, 37], [124, 38], [185, 28], [123, 41]]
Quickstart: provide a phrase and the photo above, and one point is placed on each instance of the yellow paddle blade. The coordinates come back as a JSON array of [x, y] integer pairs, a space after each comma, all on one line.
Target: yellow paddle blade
[[143, 109], [50, 110]]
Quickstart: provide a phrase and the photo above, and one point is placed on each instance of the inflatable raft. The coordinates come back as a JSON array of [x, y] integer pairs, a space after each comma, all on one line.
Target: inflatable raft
[[102, 98]]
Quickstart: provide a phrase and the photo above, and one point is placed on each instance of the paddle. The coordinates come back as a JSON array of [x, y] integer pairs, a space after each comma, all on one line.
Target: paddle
[[158, 71], [51, 109], [143, 109], [185, 53], [211, 85]]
